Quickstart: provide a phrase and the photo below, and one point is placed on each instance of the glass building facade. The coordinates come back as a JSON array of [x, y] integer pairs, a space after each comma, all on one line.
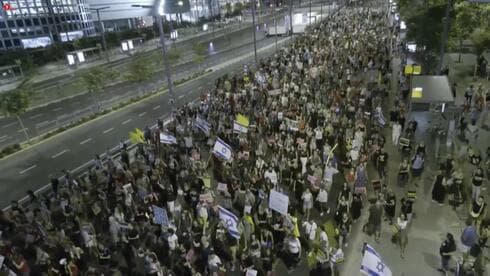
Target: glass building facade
[[38, 23]]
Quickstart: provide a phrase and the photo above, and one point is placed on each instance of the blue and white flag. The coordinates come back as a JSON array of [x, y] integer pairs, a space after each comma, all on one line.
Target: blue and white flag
[[167, 139], [230, 221], [239, 128], [222, 150], [372, 263], [202, 124]]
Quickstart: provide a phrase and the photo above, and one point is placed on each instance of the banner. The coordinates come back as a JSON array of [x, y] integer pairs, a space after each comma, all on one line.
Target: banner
[[238, 128], [278, 202]]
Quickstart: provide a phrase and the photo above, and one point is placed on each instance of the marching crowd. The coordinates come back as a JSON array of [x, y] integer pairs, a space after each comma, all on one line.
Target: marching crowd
[[194, 199]]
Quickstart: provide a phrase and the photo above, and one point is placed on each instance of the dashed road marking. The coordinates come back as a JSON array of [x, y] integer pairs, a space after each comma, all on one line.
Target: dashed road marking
[[10, 124], [85, 141], [108, 130], [36, 116], [28, 169], [142, 114], [58, 109], [181, 96], [22, 130], [59, 153], [127, 121], [156, 107]]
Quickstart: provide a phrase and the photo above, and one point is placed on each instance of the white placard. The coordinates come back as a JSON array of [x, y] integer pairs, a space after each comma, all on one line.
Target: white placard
[[278, 202], [251, 272]]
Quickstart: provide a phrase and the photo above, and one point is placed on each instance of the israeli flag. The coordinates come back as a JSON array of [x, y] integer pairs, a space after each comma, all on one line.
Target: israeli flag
[[167, 139], [222, 149], [239, 128], [372, 263], [202, 124], [230, 221]]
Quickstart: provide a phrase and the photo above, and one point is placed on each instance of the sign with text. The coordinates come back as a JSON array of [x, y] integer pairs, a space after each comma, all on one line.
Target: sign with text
[[278, 202]]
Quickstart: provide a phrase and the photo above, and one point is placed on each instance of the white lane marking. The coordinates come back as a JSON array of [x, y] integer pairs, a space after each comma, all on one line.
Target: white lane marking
[[127, 121], [85, 141], [58, 108], [28, 169], [3, 138], [36, 116], [9, 125], [200, 87], [142, 114], [59, 153], [108, 130], [181, 96], [156, 107], [22, 130]]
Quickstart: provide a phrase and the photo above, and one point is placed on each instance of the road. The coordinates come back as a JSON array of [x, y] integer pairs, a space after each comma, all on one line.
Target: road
[[52, 116], [30, 168]]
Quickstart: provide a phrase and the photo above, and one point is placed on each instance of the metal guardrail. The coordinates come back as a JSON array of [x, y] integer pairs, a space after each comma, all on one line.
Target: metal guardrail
[[115, 152]]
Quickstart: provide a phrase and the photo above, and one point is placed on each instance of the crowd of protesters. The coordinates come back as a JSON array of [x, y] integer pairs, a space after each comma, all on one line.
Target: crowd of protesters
[[315, 116]]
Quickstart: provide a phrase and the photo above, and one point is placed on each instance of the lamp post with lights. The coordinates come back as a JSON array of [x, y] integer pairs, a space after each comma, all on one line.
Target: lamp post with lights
[[168, 74]]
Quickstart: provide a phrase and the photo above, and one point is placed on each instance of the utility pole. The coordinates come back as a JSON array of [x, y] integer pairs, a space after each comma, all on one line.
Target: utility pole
[[309, 15], [444, 37], [275, 21], [254, 29], [102, 29], [291, 17]]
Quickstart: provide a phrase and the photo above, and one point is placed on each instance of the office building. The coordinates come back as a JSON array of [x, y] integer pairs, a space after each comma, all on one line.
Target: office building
[[38, 23]]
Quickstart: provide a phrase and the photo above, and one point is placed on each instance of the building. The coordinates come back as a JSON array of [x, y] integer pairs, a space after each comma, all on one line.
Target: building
[[38, 23]]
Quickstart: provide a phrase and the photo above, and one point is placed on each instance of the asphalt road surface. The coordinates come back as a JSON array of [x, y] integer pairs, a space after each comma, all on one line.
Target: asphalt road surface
[[29, 169], [52, 116]]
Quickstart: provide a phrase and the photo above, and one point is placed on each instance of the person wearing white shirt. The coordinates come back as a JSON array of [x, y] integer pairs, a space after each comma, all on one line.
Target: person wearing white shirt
[[307, 198], [401, 235], [172, 239], [272, 175], [395, 133], [293, 252]]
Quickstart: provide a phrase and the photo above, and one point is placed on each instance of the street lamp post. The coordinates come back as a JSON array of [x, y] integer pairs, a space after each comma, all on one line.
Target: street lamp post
[[291, 17], [445, 33], [102, 29], [168, 73], [254, 29], [275, 21]]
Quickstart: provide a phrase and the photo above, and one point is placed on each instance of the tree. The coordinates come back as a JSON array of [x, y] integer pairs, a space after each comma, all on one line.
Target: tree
[[16, 102], [481, 40], [174, 56], [228, 9], [95, 79], [465, 21], [140, 69], [200, 52], [237, 8]]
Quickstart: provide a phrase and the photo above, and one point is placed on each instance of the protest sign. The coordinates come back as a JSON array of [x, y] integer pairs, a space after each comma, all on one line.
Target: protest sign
[[159, 215], [278, 202]]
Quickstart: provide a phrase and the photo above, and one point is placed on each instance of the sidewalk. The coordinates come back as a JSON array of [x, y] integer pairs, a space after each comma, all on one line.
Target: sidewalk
[[431, 222]]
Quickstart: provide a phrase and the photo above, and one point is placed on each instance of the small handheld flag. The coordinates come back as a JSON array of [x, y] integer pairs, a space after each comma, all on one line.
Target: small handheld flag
[[222, 150], [230, 221], [372, 263], [137, 136]]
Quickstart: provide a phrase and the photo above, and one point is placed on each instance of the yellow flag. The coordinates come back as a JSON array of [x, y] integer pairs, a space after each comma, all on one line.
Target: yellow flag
[[408, 69], [417, 69], [242, 120], [137, 136]]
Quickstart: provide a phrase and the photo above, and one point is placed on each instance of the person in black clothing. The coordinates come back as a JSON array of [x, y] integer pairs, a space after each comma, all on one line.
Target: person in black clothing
[[439, 189], [382, 160], [54, 184], [448, 247]]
